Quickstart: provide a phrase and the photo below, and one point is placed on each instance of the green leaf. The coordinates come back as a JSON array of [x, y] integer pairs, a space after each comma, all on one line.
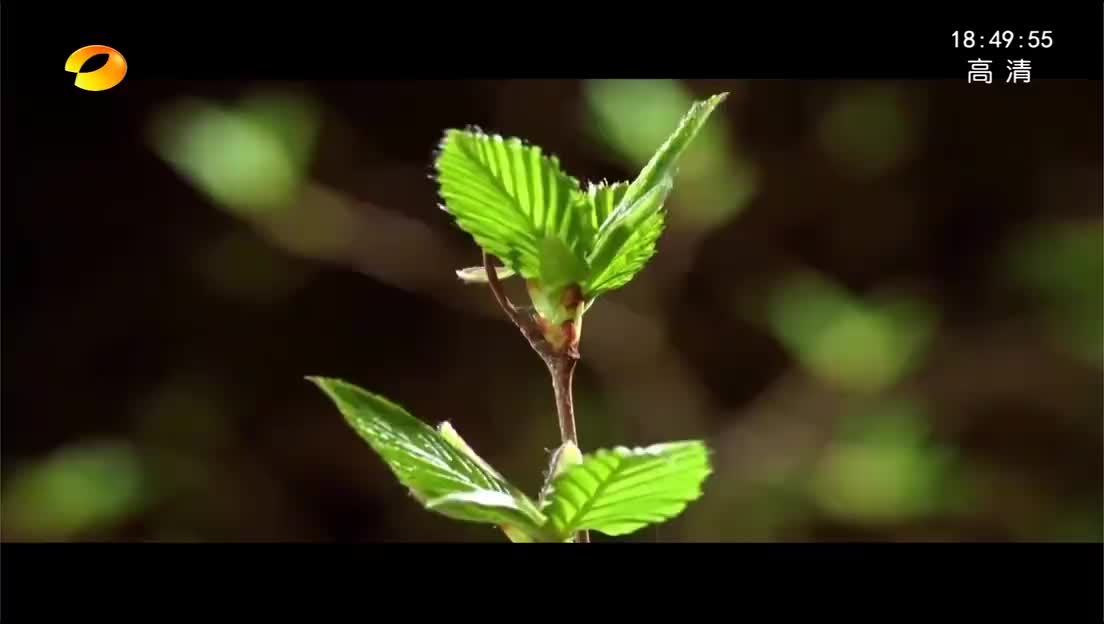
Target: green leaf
[[629, 220], [618, 491], [559, 265], [438, 468], [602, 199], [483, 507], [664, 163], [511, 197], [627, 241]]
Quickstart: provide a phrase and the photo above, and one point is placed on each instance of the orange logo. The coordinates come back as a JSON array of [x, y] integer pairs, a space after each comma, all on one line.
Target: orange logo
[[103, 78]]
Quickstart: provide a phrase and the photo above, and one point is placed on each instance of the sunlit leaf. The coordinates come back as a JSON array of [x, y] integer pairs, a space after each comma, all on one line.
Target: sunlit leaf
[[559, 265], [627, 240], [520, 206], [620, 490], [441, 471], [715, 182], [483, 507], [602, 199], [665, 161], [510, 197], [626, 237]]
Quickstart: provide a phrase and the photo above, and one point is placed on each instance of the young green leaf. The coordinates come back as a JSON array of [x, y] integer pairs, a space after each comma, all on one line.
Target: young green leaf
[[559, 265], [628, 226], [665, 160], [487, 507], [438, 468], [601, 200], [626, 241], [510, 197], [618, 491]]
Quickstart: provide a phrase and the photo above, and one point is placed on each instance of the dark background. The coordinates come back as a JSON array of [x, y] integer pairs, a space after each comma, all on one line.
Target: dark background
[[879, 302]]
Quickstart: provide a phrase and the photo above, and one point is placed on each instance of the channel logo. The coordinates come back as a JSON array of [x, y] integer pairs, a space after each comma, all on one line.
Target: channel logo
[[102, 79]]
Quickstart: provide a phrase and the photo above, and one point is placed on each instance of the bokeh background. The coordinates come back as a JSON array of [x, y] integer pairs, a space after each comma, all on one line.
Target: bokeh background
[[879, 302]]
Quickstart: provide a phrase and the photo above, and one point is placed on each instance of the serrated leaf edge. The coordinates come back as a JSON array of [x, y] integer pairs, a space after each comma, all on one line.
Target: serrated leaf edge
[[626, 452]]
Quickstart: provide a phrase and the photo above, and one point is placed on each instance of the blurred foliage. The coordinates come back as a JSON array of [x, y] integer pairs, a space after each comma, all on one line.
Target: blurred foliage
[[250, 158], [184, 412], [1060, 265], [77, 492], [883, 467], [243, 267], [253, 160], [868, 130], [859, 345]]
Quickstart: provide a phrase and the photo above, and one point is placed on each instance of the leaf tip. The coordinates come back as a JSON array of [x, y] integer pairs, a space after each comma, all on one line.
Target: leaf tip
[[712, 101], [324, 383]]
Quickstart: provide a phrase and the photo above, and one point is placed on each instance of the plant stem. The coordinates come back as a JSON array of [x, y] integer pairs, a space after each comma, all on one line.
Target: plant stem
[[560, 362], [563, 370], [562, 367]]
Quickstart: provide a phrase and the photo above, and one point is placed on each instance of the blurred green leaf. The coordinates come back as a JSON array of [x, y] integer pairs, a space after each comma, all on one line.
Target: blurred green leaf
[[860, 345], [620, 490], [74, 492], [250, 159], [883, 467], [1061, 266], [292, 119], [439, 470], [631, 129], [868, 130]]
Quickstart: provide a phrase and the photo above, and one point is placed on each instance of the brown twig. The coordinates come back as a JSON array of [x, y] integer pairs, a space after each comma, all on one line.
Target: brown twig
[[560, 362], [528, 327]]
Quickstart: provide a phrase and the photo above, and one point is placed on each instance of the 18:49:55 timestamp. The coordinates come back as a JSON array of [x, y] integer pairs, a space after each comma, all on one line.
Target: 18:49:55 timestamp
[[1003, 39]]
